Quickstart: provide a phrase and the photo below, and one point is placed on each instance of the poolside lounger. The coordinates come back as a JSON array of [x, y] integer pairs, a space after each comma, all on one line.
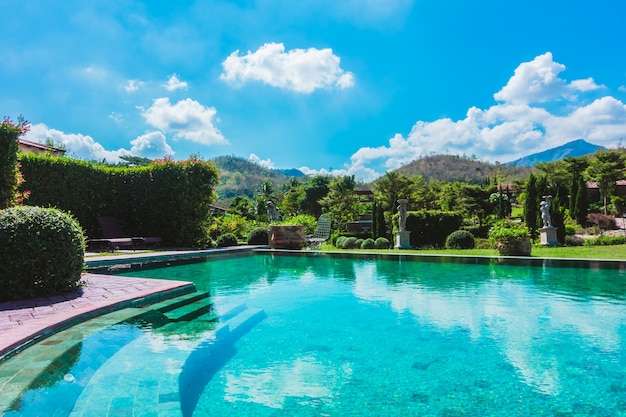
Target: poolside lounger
[[322, 232], [114, 237]]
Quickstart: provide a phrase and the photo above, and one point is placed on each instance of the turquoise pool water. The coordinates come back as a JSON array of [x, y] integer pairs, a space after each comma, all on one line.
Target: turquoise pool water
[[329, 336]]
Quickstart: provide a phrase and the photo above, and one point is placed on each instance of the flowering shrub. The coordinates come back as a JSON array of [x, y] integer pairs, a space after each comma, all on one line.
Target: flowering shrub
[[506, 231], [10, 177]]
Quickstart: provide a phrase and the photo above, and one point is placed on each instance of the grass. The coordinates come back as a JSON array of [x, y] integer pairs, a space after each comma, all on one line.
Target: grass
[[578, 252]]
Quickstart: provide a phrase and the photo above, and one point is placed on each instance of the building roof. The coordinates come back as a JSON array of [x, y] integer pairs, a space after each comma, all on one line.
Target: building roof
[[41, 146]]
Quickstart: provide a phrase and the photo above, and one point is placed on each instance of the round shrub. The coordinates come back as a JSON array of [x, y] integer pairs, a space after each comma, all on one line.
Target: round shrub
[[350, 242], [381, 243], [340, 242], [258, 236], [41, 252], [227, 239], [368, 244], [358, 243], [460, 239]]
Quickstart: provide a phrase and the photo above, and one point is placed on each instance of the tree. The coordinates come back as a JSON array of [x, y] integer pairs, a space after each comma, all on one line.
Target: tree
[[10, 177], [314, 191], [582, 204], [606, 168], [293, 198], [531, 204], [342, 202], [390, 187]]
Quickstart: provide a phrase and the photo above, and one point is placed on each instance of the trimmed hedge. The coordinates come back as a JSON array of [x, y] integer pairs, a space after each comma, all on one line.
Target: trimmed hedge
[[430, 228], [167, 198], [41, 252], [460, 239], [381, 243], [368, 244], [227, 239], [258, 236]]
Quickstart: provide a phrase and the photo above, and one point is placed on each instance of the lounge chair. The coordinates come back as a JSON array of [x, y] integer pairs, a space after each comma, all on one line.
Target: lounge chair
[[114, 237], [322, 232]]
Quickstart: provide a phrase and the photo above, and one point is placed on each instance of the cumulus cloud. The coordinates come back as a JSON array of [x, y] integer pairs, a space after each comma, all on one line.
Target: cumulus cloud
[[300, 70], [510, 129], [174, 83], [151, 145], [267, 163], [538, 81], [187, 120]]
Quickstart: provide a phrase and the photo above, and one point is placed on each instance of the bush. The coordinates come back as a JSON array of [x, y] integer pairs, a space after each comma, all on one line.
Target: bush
[[41, 252], [368, 244], [350, 243], [460, 239], [358, 243], [605, 241], [381, 243], [340, 242], [573, 240], [258, 236], [602, 221], [505, 231], [227, 239]]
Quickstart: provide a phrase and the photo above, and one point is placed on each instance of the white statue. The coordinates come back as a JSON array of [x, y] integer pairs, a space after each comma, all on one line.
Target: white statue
[[545, 211], [402, 214], [272, 211]]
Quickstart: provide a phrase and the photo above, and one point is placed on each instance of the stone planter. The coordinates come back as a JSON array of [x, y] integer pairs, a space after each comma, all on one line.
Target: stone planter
[[516, 247], [287, 237]]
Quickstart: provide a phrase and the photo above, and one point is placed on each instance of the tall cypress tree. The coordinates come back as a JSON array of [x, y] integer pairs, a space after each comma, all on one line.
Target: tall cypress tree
[[582, 204], [557, 215], [573, 193], [531, 204]]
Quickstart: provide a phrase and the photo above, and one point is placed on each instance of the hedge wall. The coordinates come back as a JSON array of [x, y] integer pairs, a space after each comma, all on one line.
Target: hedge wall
[[431, 228], [167, 198]]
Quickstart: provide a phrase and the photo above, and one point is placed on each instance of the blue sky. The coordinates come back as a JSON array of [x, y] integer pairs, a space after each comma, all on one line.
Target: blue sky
[[352, 86]]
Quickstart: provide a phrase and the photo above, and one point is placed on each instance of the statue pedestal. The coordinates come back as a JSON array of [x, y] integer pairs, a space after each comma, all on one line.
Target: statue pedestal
[[403, 240], [548, 236]]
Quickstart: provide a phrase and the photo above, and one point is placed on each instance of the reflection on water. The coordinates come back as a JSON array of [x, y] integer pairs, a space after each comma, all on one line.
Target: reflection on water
[[323, 335]]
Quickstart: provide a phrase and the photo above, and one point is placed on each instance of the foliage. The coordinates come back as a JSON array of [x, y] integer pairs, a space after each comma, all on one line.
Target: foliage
[[168, 199], [531, 204], [602, 221], [229, 223], [460, 239], [605, 241], [606, 168], [581, 203], [381, 243], [390, 187], [340, 241], [314, 190], [506, 231], [342, 202], [227, 239], [306, 220], [368, 243], [572, 240], [290, 205], [258, 236], [430, 228], [41, 252], [10, 177], [451, 168]]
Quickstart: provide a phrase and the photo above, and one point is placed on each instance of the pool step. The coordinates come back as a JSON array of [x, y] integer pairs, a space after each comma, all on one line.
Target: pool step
[[174, 303]]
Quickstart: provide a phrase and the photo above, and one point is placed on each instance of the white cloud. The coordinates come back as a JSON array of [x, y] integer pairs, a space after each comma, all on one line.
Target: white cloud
[[151, 145], [83, 146], [187, 120], [133, 85], [303, 71], [538, 81], [508, 130], [174, 83], [267, 163]]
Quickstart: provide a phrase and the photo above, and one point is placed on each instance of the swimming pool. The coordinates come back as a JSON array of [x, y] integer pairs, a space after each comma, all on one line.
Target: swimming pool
[[328, 335]]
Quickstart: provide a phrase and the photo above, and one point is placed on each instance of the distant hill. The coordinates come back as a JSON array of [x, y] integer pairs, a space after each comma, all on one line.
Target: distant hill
[[451, 168], [578, 147], [239, 176]]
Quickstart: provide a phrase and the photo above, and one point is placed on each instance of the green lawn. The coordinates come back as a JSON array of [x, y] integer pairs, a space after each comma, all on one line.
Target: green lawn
[[582, 252]]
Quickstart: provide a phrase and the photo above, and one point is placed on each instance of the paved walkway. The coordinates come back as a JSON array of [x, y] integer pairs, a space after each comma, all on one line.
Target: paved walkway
[[24, 321]]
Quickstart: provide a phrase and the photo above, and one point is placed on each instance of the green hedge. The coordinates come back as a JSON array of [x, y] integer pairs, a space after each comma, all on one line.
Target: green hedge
[[41, 252], [431, 228], [167, 198]]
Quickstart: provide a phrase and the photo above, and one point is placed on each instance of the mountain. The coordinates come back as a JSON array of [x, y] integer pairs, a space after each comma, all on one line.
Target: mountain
[[239, 176], [578, 147], [450, 168]]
